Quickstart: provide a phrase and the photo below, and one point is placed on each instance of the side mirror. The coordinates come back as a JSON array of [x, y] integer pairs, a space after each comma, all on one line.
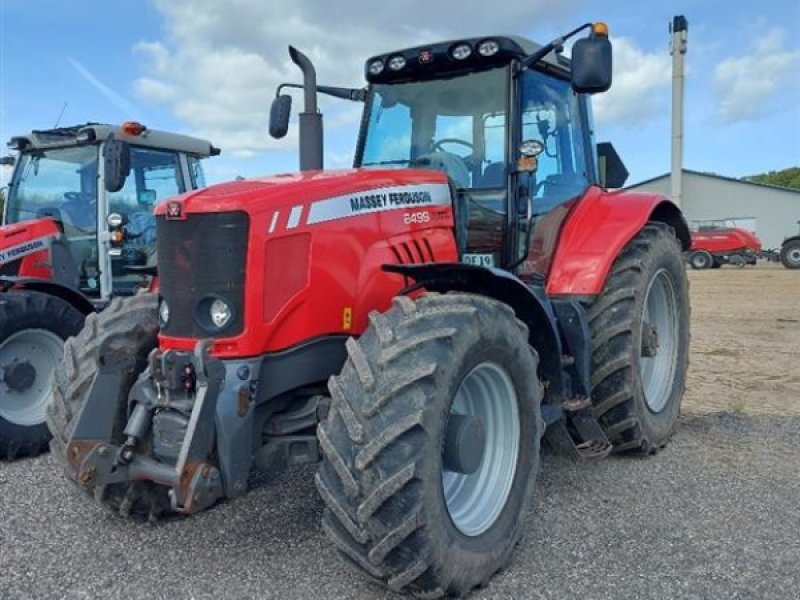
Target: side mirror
[[279, 116], [591, 64], [117, 163], [613, 173], [7, 161]]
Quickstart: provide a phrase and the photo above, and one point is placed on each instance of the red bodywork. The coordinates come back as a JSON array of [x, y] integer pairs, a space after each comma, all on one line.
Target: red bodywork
[[319, 279], [306, 280], [18, 244], [726, 241], [596, 230]]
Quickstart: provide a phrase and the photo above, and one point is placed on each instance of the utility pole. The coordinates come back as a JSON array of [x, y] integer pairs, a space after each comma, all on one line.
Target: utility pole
[[679, 28]]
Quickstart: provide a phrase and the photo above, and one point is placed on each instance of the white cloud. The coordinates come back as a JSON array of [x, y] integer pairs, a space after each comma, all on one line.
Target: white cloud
[[747, 87], [639, 80], [218, 68]]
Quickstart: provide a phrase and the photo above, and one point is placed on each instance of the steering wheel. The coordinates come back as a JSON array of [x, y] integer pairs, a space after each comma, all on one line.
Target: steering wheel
[[451, 164], [437, 146]]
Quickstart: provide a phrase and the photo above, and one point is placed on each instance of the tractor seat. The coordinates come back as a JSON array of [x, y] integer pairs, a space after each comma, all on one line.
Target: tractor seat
[[494, 175]]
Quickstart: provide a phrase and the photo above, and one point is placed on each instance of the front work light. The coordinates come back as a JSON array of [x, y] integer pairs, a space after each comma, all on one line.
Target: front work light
[[376, 67], [396, 63], [461, 51], [488, 48]]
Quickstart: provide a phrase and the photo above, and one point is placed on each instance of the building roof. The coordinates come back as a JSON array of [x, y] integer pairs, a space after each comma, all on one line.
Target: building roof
[[722, 177]]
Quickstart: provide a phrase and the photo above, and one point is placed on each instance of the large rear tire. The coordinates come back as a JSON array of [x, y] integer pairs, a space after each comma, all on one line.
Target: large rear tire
[[33, 328], [640, 342], [790, 254], [133, 321], [431, 445]]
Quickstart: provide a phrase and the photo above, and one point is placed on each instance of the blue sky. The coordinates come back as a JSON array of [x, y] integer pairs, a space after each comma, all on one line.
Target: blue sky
[[210, 69]]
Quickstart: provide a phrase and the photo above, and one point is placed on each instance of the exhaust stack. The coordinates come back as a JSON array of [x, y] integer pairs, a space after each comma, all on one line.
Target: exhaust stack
[[310, 120]]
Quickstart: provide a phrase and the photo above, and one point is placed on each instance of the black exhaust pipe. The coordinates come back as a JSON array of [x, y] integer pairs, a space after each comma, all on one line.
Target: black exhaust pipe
[[310, 119]]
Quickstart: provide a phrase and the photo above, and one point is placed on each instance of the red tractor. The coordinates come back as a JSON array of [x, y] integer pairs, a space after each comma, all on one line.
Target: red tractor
[[719, 242], [77, 230], [414, 324]]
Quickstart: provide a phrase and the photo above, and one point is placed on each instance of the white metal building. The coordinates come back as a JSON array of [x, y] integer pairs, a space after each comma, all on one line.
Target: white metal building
[[776, 210]]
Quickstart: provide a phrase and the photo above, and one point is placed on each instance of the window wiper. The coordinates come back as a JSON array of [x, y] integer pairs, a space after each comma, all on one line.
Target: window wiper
[[400, 161]]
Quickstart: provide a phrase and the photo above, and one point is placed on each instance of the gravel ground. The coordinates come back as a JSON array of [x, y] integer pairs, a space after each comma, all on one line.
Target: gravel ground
[[715, 515]]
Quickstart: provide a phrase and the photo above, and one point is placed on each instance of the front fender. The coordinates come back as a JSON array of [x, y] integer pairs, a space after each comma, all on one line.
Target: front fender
[[595, 232], [530, 304], [52, 288]]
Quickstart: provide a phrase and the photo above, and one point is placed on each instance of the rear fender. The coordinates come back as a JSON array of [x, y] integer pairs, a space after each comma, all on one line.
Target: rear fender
[[529, 303], [52, 288], [597, 230]]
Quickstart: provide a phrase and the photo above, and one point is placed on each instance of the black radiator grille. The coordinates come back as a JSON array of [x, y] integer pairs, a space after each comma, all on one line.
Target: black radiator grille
[[199, 258]]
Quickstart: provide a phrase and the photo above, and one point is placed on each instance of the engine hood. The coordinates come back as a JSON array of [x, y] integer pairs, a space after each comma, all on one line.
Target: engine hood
[[259, 195]]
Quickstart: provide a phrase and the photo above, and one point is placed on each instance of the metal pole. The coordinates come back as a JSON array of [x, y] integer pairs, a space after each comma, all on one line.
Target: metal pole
[[679, 28]]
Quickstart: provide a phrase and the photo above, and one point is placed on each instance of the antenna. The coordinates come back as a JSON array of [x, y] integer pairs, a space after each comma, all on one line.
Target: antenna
[[61, 114]]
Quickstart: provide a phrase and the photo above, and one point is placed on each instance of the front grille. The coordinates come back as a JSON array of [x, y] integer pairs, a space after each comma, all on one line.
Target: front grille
[[199, 258]]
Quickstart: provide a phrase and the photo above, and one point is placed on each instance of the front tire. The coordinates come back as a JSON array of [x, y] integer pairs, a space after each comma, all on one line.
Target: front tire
[[132, 321], [640, 342], [790, 254], [33, 329], [400, 502]]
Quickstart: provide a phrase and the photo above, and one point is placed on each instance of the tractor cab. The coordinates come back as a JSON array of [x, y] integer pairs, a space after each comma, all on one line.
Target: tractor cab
[[100, 183], [516, 143]]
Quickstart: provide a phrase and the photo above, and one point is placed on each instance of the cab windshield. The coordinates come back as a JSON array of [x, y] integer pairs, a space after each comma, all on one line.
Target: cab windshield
[[59, 182], [455, 125]]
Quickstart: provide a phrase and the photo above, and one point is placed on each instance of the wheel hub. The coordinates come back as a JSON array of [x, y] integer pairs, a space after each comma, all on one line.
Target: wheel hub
[[19, 376], [794, 255], [649, 340], [464, 444]]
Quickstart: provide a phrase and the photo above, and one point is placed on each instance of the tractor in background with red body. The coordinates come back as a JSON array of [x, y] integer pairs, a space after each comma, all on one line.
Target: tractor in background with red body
[[720, 242], [72, 237], [415, 324]]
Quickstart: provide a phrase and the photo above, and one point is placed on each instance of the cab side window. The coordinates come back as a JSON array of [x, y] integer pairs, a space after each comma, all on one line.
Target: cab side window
[[551, 115]]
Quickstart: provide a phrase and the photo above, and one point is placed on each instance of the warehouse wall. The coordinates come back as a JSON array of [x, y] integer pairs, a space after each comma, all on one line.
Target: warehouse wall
[[707, 197]]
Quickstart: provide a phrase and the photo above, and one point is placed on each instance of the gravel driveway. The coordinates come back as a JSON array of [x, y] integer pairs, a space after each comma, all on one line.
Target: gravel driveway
[[716, 515]]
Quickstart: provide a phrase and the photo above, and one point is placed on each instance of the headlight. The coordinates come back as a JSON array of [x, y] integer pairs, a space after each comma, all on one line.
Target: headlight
[[376, 67], [461, 51], [220, 313], [488, 48], [396, 63], [163, 313]]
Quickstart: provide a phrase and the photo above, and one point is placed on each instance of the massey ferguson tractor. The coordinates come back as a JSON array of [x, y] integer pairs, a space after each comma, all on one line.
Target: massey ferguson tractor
[[415, 324], [77, 230]]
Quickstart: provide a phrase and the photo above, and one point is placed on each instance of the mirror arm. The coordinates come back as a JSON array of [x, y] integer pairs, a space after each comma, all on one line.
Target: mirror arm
[[354, 94], [532, 59]]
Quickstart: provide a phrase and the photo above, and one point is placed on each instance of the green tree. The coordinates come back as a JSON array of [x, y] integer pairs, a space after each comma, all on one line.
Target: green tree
[[785, 178]]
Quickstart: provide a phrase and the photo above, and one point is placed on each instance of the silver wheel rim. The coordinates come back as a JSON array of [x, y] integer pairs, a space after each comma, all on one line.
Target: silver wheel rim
[[701, 261], [794, 256], [661, 312], [475, 501], [43, 350]]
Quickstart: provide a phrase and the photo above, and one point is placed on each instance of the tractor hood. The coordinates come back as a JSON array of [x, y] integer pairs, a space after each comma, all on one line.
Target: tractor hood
[[259, 195]]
